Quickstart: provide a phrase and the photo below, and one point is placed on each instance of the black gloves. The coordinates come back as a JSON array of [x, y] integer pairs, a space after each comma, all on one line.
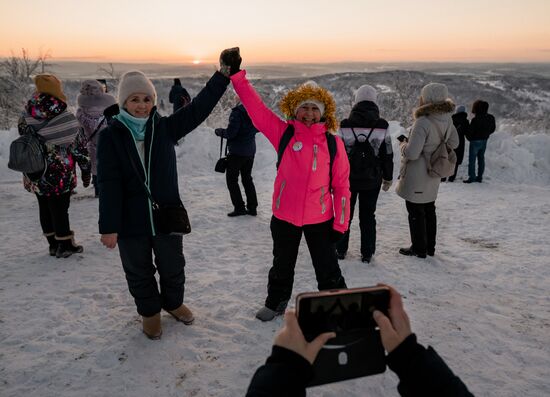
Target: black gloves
[[230, 61], [335, 236], [86, 176], [219, 131]]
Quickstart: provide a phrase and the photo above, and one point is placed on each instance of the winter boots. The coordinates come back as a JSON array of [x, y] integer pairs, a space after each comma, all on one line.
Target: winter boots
[[66, 246], [183, 314], [52, 242], [151, 327], [237, 212], [410, 252], [266, 314]]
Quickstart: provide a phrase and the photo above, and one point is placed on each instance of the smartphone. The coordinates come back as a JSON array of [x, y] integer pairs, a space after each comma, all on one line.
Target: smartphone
[[402, 138], [343, 311], [357, 349]]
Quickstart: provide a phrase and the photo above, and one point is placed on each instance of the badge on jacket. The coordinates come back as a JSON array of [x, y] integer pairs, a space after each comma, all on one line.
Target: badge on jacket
[[297, 146]]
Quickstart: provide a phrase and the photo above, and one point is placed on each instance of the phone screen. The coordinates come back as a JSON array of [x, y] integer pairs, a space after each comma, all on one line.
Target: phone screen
[[340, 313]]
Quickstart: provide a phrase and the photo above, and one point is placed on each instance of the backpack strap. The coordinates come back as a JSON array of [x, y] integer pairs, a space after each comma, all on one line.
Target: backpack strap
[[331, 143], [221, 147], [283, 143], [97, 129]]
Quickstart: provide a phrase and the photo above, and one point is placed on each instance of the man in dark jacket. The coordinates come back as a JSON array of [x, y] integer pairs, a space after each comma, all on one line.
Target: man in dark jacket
[[366, 178], [178, 96], [481, 126], [241, 144], [461, 123], [421, 371]]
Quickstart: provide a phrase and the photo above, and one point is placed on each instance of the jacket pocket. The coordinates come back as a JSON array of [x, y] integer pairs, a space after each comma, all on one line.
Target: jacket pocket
[[322, 200]]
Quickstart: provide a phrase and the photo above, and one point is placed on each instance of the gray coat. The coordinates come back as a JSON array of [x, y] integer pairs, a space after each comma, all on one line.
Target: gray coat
[[414, 184]]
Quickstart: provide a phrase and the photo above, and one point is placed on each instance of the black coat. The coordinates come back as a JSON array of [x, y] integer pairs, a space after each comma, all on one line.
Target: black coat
[[179, 97], [365, 114], [124, 206], [240, 133], [462, 125], [481, 126], [421, 372]]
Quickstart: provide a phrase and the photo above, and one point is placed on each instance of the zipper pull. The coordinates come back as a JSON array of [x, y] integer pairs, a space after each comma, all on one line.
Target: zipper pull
[[315, 157]]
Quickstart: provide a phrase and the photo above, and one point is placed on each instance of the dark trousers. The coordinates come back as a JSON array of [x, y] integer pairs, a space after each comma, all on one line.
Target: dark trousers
[[286, 241], [96, 188], [136, 254], [367, 221], [243, 165], [423, 226], [54, 214], [476, 151]]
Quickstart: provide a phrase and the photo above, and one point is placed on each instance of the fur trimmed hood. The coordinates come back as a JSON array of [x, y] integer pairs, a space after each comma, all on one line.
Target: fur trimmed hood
[[301, 94], [434, 108]]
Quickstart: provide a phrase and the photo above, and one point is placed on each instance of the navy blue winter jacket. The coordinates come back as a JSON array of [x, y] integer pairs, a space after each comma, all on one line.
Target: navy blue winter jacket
[[124, 207], [240, 133]]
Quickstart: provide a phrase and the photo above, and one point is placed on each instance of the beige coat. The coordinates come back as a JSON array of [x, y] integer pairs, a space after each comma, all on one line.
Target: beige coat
[[414, 184]]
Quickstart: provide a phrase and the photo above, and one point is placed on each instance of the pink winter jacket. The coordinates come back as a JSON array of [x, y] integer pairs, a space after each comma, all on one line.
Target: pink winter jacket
[[301, 194]]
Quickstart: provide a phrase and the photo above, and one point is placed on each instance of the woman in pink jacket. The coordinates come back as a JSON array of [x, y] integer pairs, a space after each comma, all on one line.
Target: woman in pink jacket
[[308, 196]]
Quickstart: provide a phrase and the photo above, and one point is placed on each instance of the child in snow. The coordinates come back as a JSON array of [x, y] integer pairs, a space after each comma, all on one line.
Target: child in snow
[[46, 113], [92, 101], [138, 139], [309, 197]]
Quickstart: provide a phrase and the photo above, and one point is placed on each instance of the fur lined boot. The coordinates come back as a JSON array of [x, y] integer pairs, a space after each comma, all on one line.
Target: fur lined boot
[[183, 314], [151, 327], [53, 243], [67, 246]]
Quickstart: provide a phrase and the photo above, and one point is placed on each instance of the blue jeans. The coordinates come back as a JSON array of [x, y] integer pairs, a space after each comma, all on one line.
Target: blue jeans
[[477, 150]]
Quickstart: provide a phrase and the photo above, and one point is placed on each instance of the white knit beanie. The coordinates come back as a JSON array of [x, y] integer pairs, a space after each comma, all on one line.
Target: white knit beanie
[[434, 93], [315, 102], [365, 93], [135, 82]]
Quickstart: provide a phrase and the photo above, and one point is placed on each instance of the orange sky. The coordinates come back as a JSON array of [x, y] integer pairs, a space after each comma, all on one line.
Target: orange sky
[[280, 31]]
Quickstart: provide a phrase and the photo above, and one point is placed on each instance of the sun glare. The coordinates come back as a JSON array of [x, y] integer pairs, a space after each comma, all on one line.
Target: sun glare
[[196, 61]]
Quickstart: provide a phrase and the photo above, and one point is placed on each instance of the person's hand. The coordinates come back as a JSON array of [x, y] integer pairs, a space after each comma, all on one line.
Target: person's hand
[[397, 327], [292, 338], [386, 185], [218, 131], [335, 236], [109, 240], [230, 61], [86, 177]]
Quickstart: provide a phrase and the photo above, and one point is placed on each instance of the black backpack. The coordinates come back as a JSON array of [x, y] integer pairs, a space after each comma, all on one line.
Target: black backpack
[[28, 154], [364, 166], [287, 136]]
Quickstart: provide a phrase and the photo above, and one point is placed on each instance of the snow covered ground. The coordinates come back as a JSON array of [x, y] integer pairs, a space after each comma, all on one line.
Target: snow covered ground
[[68, 327]]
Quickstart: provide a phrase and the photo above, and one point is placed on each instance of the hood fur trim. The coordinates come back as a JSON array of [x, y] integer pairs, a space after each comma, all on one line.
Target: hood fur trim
[[304, 92], [434, 108]]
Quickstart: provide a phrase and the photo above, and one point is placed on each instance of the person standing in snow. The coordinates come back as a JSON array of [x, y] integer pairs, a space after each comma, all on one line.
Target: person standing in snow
[[421, 371], [178, 95], [366, 179], [415, 185], [241, 143], [461, 123], [309, 196], [46, 113], [481, 127], [139, 138], [92, 101]]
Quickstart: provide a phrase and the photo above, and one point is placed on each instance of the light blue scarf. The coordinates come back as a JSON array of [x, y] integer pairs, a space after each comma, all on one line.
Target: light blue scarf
[[134, 124]]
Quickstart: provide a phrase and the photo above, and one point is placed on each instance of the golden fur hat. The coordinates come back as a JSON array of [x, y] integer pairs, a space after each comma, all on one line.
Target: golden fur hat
[[310, 92]]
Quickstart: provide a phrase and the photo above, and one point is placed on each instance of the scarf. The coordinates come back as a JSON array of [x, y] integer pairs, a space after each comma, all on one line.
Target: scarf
[[134, 124], [60, 130]]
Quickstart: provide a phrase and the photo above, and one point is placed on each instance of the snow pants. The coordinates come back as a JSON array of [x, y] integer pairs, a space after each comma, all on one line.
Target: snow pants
[[241, 165], [286, 241], [54, 214], [422, 226], [136, 254], [367, 221]]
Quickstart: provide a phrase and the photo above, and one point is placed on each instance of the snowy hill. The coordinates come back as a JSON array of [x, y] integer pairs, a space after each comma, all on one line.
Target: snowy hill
[[68, 327]]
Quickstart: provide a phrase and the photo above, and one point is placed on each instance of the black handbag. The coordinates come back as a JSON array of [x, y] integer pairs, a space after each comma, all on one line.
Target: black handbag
[[167, 219], [221, 164]]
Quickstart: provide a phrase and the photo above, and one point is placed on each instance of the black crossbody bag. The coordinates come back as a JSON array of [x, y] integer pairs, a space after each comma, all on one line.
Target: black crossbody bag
[[221, 164], [168, 219]]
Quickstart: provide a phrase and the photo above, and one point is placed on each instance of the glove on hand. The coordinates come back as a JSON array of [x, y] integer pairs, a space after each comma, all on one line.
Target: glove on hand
[[335, 236], [86, 177], [218, 131], [386, 185], [230, 61]]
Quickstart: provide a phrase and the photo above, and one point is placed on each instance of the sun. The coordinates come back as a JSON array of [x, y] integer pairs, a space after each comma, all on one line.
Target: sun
[[196, 62]]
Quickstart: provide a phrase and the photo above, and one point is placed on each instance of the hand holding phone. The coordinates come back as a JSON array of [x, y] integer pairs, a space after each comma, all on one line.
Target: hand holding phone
[[402, 138]]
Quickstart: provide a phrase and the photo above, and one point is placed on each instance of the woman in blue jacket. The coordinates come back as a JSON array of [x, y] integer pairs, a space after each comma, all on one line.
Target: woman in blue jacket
[[138, 139]]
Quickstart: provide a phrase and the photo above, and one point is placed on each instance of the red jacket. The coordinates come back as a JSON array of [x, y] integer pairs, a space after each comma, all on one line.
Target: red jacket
[[301, 194]]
